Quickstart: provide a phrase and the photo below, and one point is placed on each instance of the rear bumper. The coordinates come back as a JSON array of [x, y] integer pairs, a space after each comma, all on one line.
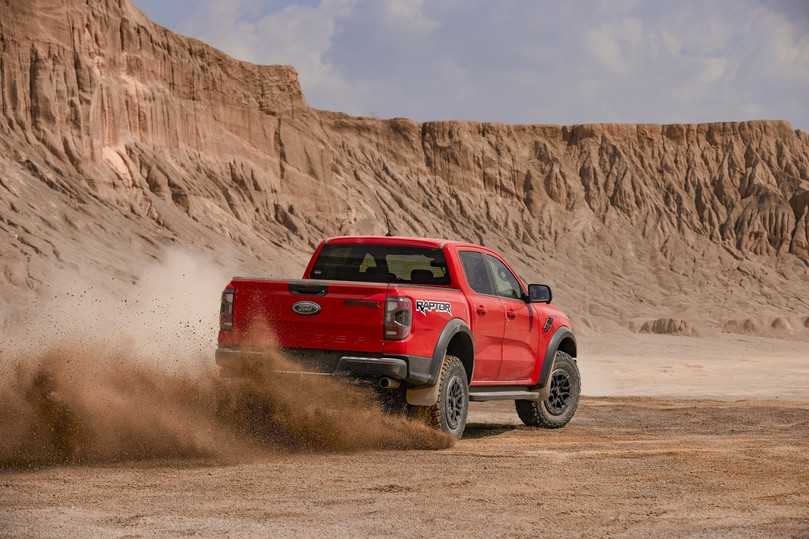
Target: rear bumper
[[413, 370]]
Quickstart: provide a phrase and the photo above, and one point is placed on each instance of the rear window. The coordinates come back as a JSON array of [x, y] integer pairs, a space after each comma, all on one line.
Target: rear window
[[381, 264]]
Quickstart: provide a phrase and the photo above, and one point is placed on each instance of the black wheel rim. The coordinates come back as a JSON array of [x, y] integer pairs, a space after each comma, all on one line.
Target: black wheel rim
[[456, 403], [559, 397]]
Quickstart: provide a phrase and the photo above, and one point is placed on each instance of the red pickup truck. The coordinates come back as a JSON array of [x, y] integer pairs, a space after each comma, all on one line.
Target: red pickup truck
[[436, 323]]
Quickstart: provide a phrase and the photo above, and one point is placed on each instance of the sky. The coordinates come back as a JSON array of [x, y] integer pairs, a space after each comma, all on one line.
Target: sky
[[523, 61]]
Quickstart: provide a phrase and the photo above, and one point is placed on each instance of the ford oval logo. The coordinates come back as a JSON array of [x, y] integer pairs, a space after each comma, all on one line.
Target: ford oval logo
[[306, 308]]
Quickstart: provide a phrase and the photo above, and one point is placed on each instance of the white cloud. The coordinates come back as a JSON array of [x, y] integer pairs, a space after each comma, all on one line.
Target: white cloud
[[296, 35], [790, 51], [607, 51], [615, 45], [409, 15]]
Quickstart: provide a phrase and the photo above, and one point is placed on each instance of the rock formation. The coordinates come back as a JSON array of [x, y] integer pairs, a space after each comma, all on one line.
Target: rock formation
[[669, 326], [119, 138]]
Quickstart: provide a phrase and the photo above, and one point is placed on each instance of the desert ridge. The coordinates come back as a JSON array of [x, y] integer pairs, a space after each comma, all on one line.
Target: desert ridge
[[121, 139]]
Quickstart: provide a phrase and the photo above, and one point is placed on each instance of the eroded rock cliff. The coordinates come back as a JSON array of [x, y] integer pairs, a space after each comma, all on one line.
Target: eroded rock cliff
[[119, 138]]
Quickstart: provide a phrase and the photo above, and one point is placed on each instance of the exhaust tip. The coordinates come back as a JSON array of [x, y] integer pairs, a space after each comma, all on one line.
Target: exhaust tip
[[387, 383]]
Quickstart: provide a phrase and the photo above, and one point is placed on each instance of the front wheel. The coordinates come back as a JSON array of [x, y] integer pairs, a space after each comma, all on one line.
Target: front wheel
[[449, 412], [558, 409]]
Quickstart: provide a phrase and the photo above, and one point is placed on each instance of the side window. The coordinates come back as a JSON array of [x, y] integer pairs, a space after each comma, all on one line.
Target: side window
[[505, 283], [476, 274]]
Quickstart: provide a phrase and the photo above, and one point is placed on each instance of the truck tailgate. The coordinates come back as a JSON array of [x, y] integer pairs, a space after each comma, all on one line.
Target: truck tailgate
[[324, 315]]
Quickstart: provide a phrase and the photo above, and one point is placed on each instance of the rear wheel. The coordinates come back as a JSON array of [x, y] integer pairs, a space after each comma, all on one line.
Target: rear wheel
[[563, 399], [450, 411]]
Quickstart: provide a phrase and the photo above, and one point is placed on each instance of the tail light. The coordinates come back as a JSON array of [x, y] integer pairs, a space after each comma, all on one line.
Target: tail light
[[398, 318], [226, 311]]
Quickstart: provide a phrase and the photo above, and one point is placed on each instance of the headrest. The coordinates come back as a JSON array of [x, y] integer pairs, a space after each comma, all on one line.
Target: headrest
[[380, 274], [421, 276]]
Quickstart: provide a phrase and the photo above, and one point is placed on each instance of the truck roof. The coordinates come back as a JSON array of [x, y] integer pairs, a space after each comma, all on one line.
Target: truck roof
[[401, 240], [397, 240]]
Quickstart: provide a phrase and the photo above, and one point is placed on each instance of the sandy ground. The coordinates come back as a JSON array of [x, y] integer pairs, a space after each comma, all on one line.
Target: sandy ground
[[719, 367], [725, 454], [625, 466]]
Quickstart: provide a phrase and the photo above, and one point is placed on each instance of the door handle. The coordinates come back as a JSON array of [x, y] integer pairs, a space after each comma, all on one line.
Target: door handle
[[481, 310], [511, 314]]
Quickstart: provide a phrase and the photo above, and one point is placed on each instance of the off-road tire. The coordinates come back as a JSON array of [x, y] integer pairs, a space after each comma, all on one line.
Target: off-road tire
[[449, 413], [549, 413]]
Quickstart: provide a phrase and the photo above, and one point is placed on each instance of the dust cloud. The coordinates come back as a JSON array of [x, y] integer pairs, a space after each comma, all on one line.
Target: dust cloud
[[91, 375]]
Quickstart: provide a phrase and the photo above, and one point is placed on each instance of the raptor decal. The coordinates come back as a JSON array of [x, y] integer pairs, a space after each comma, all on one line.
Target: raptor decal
[[424, 306]]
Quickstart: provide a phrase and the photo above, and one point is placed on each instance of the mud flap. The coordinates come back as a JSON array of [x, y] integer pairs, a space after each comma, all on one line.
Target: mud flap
[[545, 392], [422, 395]]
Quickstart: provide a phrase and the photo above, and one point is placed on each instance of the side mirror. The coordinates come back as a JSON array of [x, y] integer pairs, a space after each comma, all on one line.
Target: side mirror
[[539, 293]]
